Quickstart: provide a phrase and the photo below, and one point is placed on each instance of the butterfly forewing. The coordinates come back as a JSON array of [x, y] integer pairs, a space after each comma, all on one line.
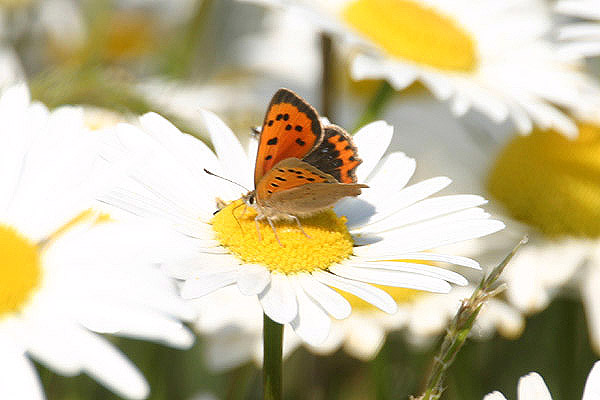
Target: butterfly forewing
[[291, 129]]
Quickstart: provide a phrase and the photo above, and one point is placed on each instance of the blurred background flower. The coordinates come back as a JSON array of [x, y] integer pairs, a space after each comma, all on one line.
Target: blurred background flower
[[461, 82], [65, 271]]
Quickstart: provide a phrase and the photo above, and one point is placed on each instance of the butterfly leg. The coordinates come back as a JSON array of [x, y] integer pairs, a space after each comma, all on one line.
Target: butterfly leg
[[299, 225], [274, 231], [257, 226]]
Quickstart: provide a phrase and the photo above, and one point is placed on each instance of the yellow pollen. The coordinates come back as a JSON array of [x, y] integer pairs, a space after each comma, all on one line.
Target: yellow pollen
[[20, 270], [329, 241], [551, 182], [408, 30]]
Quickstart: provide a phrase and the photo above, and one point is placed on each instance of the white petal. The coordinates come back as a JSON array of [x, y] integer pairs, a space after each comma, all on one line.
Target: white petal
[[311, 323], [532, 386], [230, 348], [391, 175], [131, 321], [392, 278], [279, 299], [424, 210], [372, 140], [368, 293], [395, 203], [333, 302], [71, 350], [591, 302], [425, 236], [228, 148], [420, 269], [592, 384], [198, 287], [19, 377], [494, 396], [426, 256], [364, 340], [252, 279]]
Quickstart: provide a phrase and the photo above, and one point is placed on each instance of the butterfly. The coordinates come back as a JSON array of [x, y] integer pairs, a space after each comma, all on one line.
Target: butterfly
[[302, 166]]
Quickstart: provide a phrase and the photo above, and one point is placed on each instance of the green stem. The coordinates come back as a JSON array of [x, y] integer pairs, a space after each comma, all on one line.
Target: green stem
[[273, 351], [375, 107], [460, 327], [182, 54], [326, 75]]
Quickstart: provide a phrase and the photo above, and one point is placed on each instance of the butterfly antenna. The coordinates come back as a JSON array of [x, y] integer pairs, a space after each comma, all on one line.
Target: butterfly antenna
[[225, 179]]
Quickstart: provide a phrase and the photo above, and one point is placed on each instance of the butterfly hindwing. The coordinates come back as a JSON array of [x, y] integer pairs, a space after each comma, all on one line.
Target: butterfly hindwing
[[288, 174], [291, 129], [335, 155], [298, 188]]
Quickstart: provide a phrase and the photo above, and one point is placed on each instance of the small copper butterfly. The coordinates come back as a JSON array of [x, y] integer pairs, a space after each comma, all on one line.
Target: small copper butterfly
[[302, 167]]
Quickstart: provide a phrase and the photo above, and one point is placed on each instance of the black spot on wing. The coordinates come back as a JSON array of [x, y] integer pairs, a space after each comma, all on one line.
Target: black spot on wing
[[287, 96], [327, 159], [272, 141], [300, 142]]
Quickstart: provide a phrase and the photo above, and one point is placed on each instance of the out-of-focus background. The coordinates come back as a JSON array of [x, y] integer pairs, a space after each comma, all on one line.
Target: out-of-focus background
[[122, 58]]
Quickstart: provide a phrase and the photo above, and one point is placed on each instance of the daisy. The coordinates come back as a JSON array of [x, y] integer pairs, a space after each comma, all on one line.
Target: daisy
[[488, 55], [542, 185], [233, 331], [583, 38], [346, 249], [533, 387], [66, 272]]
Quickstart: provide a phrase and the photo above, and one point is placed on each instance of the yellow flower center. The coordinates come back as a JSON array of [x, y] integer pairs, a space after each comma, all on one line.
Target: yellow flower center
[[408, 30], [20, 270], [329, 241], [551, 182], [129, 36]]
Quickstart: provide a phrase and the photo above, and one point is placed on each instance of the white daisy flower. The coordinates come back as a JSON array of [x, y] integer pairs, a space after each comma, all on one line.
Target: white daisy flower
[[543, 185], [582, 38], [64, 276], [488, 55], [533, 387], [390, 221], [233, 331]]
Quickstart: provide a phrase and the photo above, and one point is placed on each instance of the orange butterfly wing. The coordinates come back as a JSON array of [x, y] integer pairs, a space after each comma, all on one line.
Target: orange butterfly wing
[[295, 187], [291, 129], [336, 155], [288, 174]]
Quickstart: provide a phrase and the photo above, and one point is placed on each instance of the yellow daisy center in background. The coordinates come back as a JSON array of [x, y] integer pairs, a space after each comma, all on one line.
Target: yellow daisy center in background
[[329, 241], [551, 182], [20, 270], [411, 31]]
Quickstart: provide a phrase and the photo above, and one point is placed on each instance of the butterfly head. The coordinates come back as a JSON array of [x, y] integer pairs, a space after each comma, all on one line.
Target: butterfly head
[[250, 198]]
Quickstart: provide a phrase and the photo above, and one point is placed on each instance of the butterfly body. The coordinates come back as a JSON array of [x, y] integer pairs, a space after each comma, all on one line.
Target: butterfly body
[[302, 167]]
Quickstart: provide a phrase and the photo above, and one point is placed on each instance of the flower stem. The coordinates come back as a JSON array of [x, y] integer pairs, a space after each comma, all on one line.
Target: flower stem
[[326, 74], [460, 327], [375, 107], [273, 350]]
